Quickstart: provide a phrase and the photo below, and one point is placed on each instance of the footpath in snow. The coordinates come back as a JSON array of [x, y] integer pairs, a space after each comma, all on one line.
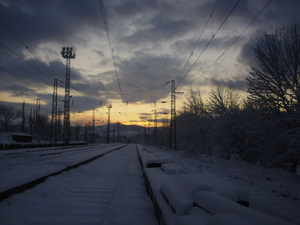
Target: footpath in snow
[[109, 190]]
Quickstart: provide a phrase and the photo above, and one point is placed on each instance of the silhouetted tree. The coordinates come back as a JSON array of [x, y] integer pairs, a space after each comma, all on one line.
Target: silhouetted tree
[[7, 115], [275, 84]]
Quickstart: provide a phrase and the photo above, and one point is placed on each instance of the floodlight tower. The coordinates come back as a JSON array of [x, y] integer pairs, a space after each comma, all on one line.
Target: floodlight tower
[[68, 53]]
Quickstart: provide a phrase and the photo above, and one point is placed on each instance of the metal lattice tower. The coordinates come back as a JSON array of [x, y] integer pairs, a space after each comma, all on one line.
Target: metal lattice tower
[[173, 117], [53, 133], [155, 126], [68, 53], [108, 124], [93, 128]]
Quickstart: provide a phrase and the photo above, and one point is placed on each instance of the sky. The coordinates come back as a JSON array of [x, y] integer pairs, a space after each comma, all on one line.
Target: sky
[[127, 63]]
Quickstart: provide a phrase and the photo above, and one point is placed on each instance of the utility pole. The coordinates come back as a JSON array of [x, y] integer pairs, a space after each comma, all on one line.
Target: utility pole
[[68, 53], [23, 117], [93, 128], [108, 123], [37, 116], [118, 132], [173, 115], [53, 133]]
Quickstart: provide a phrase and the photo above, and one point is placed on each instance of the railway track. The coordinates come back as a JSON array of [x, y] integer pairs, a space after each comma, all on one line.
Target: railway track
[[108, 190], [18, 186]]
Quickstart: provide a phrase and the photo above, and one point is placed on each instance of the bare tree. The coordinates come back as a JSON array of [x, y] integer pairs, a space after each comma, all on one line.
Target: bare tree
[[194, 124], [275, 87], [276, 83], [7, 115], [223, 99]]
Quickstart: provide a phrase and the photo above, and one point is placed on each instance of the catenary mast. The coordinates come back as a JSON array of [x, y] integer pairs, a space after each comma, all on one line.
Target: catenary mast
[[68, 53]]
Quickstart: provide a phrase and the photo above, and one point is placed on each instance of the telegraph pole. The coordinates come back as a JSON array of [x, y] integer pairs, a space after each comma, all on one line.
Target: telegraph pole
[[68, 53], [108, 123], [53, 133]]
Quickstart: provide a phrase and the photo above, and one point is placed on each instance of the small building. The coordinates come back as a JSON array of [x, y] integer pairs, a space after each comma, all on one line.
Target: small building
[[22, 137]]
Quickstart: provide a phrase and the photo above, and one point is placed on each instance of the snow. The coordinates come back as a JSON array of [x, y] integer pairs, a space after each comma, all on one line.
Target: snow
[[180, 191], [110, 190], [216, 204], [157, 159], [267, 186], [32, 168], [173, 168], [226, 219]]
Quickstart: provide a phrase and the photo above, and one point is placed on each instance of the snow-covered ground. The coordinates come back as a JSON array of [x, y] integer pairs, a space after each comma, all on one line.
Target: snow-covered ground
[[110, 190], [18, 167], [273, 191]]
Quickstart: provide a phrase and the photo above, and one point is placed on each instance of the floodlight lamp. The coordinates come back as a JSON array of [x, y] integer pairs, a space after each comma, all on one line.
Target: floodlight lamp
[[68, 52]]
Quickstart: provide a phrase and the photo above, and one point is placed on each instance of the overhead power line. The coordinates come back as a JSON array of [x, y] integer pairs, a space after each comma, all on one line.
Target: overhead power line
[[26, 61], [26, 46], [13, 87], [112, 52], [180, 81], [236, 38], [15, 75], [180, 76]]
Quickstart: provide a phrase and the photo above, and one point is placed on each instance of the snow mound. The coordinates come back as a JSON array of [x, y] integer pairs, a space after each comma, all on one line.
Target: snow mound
[[216, 204], [172, 168], [226, 219]]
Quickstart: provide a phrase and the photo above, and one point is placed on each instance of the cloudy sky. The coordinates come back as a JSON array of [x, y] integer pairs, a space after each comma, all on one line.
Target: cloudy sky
[[151, 41]]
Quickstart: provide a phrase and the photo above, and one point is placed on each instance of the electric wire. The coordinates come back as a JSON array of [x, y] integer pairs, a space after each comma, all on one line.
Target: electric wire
[[180, 76], [178, 83], [39, 60], [26, 46], [252, 21], [15, 75], [103, 12], [26, 61], [13, 85]]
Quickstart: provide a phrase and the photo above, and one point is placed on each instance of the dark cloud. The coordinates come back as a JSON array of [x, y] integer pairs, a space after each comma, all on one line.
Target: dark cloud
[[100, 53], [161, 30], [247, 55], [37, 22], [235, 82]]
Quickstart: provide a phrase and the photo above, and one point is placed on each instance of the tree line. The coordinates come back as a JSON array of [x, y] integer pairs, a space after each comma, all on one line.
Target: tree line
[[264, 128]]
